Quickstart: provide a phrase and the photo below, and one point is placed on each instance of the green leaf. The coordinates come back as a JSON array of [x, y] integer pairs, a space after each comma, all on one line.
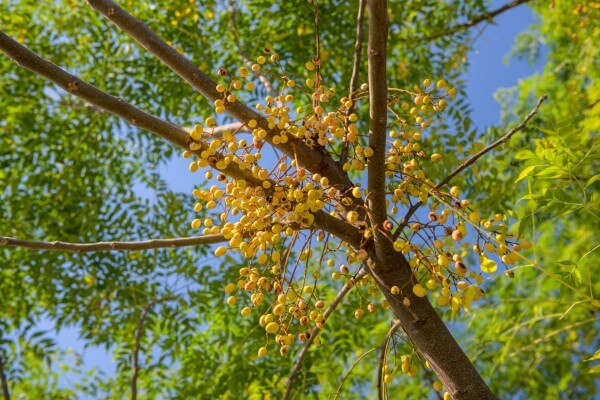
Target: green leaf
[[596, 356], [592, 180], [594, 370], [525, 155], [525, 172]]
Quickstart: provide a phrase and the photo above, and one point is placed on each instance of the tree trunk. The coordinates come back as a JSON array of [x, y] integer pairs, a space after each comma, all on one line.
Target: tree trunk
[[422, 324]]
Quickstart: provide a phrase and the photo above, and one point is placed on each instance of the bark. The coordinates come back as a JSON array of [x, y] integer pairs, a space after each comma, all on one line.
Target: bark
[[419, 320]]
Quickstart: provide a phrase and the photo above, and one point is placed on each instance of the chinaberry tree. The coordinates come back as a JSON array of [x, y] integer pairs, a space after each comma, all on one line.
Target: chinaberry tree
[[319, 183]]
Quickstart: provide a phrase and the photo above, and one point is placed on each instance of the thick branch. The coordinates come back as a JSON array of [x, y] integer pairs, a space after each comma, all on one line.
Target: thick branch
[[417, 316], [312, 159], [355, 73], [117, 106], [303, 353], [378, 35], [383, 357], [478, 19], [113, 245]]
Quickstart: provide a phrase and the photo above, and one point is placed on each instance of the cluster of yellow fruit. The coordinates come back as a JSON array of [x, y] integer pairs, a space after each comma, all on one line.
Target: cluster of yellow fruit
[[260, 214]]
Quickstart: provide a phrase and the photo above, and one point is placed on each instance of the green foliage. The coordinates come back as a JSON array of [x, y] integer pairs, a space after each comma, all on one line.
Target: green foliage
[[71, 173]]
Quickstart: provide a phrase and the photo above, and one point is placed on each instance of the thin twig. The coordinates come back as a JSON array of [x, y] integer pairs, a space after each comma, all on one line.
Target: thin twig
[[490, 147], [112, 245], [136, 350], [383, 358], [303, 353], [478, 19], [5, 391], [469, 162], [339, 389], [355, 74]]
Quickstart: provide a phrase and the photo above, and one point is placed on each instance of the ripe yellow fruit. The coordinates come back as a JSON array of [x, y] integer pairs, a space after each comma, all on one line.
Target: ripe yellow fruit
[[474, 217], [220, 251], [229, 288], [352, 216], [455, 191], [356, 192], [488, 265], [246, 311], [457, 235], [395, 290], [437, 385], [196, 223], [262, 351], [359, 313], [231, 300], [419, 290], [436, 157], [272, 327]]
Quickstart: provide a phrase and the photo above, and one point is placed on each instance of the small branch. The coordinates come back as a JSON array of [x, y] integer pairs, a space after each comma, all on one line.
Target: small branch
[[303, 353], [478, 19], [497, 143], [383, 357], [218, 131], [355, 73], [3, 381], [339, 388], [470, 161], [112, 246], [136, 350]]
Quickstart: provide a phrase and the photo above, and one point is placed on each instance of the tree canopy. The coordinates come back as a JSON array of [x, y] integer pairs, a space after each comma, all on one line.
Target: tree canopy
[[341, 187]]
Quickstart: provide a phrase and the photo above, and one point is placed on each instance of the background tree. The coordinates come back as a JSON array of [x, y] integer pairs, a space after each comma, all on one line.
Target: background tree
[[161, 314]]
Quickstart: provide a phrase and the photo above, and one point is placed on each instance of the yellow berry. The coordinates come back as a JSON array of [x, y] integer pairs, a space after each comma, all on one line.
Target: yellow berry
[[272, 327], [220, 251], [262, 351], [419, 290], [436, 157]]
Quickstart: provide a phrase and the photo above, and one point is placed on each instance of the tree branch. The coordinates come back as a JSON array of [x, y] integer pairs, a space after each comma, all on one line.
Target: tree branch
[[113, 245], [117, 106], [490, 147], [471, 161], [355, 73], [308, 157], [383, 357], [324, 221], [377, 209], [303, 353], [136, 350], [3, 381], [478, 19]]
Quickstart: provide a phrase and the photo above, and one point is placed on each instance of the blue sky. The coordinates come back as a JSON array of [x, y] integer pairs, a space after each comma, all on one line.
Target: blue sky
[[488, 72]]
